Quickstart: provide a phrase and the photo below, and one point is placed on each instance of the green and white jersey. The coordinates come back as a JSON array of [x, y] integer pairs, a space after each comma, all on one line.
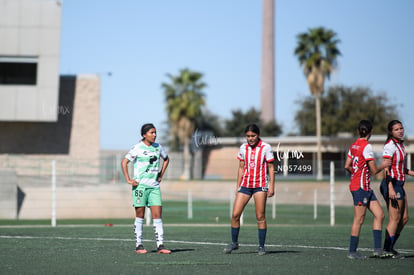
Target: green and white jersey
[[146, 160]]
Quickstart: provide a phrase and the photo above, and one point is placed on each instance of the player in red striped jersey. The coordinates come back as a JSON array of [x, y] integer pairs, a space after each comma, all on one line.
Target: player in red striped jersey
[[256, 163], [360, 163], [392, 186]]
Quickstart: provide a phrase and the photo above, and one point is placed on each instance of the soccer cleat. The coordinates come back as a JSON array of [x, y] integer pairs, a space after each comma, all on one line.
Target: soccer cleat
[[231, 247], [261, 251], [378, 253], [162, 250], [396, 255], [141, 250], [393, 254], [356, 256]]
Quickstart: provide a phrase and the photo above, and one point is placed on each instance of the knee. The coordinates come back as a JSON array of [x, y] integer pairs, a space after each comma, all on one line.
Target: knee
[[360, 220], [396, 218], [381, 216], [235, 217], [260, 217]]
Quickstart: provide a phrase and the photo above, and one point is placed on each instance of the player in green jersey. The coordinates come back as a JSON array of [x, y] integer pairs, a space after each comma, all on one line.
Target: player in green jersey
[[146, 156]]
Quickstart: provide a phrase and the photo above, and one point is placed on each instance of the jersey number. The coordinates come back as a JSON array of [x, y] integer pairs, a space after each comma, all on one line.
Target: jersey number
[[138, 193], [355, 164]]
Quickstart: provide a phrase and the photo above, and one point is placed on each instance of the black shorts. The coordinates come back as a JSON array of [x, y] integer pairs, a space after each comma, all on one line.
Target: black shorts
[[251, 191], [398, 188], [363, 197]]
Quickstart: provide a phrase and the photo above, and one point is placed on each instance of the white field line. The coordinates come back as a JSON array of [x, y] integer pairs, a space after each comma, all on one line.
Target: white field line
[[192, 242]]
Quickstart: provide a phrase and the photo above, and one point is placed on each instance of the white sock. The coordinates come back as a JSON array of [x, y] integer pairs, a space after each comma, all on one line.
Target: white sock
[[138, 225], [159, 231]]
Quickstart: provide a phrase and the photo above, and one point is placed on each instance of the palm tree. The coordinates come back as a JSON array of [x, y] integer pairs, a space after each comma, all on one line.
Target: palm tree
[[184, 99], [317, 53]]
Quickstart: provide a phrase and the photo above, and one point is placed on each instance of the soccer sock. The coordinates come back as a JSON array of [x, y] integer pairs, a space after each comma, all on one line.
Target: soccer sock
[[392, 241], [387, 241], [377, 238], [353, 243], [235, 234], [159, 231], [139, 223], [396, 236], [262, 237]]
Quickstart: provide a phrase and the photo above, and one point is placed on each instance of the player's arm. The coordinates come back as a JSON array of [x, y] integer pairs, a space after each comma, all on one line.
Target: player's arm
[[348, 164], [271, 168], [410, 173], [240, 173], [386, 162], [384, 165], [124, 165], [164, 167], [373, 168]]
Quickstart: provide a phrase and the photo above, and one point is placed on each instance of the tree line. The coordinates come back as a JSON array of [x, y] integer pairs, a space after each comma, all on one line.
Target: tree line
[[338, 110]]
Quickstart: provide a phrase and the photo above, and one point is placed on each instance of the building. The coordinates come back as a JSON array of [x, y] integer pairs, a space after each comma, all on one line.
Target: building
[[44, 116], [294, 156]]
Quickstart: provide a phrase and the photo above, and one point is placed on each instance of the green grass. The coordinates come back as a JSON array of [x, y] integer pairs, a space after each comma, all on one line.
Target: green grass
[[196, 249], [297, 244]]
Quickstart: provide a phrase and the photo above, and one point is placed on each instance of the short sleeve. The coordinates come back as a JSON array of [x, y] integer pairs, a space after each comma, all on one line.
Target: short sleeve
[[389, 150], [269, 154], [242, 150], [163, 152], [132, 154], [368, 153]]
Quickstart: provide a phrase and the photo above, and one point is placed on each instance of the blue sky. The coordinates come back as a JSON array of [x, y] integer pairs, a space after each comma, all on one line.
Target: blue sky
[[142, 41]]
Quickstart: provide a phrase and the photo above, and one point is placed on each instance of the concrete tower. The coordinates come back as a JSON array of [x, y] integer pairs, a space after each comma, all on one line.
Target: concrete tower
[[268, 67]]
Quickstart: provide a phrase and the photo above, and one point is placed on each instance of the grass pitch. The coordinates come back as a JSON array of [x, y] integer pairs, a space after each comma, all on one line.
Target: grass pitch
[[296, 244]]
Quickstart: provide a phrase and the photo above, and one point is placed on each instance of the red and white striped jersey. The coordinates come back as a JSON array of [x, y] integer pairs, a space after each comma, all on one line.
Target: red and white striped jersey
[[360, 153], [255, 164], [395, 151]]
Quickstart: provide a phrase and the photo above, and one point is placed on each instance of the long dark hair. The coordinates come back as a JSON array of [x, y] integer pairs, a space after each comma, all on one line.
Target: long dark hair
[[252, 127], [389, 128], [364, 128]]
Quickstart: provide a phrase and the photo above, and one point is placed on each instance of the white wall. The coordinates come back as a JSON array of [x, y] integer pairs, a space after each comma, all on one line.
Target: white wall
[[31, 28]]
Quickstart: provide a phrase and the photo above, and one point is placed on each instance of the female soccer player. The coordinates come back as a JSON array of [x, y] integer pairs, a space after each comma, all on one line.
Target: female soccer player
[[256, 159], [392, 186], [360, 162], [146, 184]]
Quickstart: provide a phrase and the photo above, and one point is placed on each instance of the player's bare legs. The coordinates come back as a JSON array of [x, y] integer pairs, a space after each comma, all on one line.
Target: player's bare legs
[[379, 216], [260, 204], [376, 210], [359, 217], [238, 207], [138, 226], [398, 217]]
